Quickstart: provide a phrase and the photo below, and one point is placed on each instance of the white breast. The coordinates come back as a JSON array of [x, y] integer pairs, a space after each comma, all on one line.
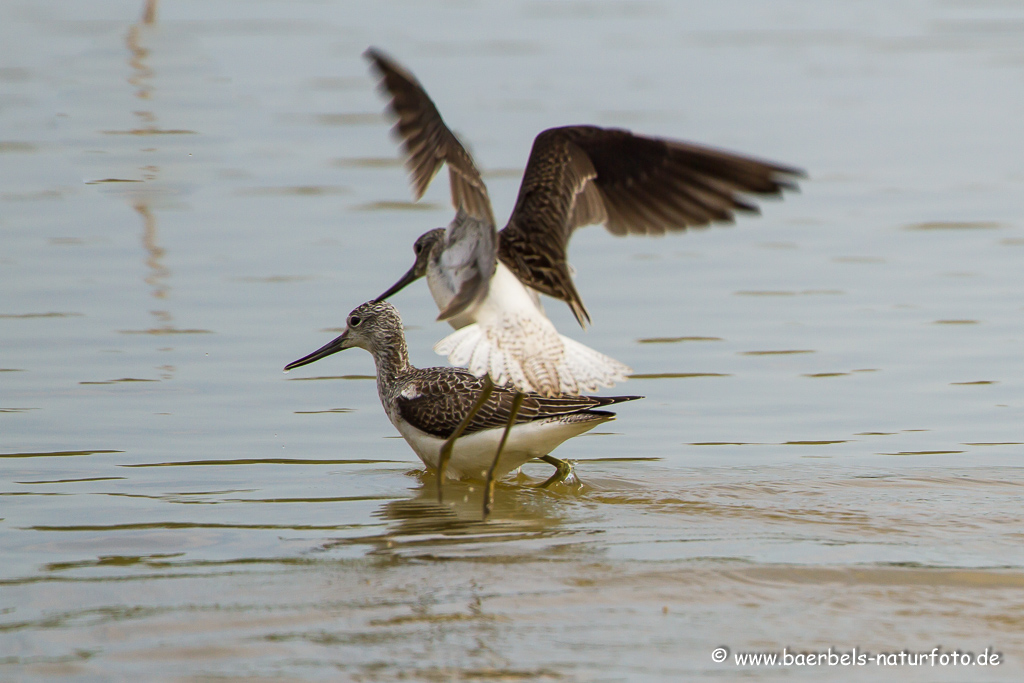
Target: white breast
[[473, 454], [506, 295]]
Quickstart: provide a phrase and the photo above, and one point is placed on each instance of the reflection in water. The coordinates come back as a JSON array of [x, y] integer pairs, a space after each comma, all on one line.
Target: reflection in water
[[398, 205], [214, 546], [154, 261], [142, 79], [955, 225], [422, 526], [142, 72], [149, 12], [675, 340], [675, 375]]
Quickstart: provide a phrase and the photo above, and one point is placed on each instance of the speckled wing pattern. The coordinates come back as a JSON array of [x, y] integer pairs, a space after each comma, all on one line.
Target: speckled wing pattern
[[578, 175], [427, 141], [435, 400]]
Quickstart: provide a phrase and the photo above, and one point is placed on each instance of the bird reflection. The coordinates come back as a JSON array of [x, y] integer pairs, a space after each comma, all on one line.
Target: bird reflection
[[421, 525]]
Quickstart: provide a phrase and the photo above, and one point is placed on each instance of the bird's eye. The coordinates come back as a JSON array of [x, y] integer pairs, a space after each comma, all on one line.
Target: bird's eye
[[354, 321], [417, 248]]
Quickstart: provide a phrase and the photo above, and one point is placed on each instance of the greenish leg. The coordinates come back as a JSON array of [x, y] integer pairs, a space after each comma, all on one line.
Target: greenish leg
[[563, 470], [517, 403], [446, 448]]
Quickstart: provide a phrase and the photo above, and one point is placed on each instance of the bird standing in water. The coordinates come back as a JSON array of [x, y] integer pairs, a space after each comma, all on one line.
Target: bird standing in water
[[487, 283], [429, 405]]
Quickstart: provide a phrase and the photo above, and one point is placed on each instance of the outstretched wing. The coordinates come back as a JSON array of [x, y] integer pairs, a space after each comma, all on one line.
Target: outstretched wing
[[578, 175], [427, 141], [437, 399]]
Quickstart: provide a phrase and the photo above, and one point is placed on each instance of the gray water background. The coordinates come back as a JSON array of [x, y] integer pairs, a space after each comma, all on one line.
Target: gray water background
[[829, 454]]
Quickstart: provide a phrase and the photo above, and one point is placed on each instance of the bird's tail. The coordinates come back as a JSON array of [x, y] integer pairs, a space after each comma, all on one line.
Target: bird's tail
[[563, 367], [592, 369]]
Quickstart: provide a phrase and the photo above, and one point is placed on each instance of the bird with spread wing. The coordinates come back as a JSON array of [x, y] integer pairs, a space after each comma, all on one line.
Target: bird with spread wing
[[486, 283]]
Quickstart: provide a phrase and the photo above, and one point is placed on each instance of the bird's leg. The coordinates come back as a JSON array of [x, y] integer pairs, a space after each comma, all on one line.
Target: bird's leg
[[446, 448], [563, 470], [517, 402]]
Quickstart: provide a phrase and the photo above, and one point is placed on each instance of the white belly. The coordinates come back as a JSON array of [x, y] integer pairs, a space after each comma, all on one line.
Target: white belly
[[473, 454], [506, 297]]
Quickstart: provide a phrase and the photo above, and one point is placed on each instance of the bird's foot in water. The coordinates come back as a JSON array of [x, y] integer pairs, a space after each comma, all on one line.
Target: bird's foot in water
[[564, 473]]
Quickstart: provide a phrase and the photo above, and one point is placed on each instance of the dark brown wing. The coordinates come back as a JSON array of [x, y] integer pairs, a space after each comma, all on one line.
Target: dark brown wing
[[577, 175], [436, 399], [427, 141]]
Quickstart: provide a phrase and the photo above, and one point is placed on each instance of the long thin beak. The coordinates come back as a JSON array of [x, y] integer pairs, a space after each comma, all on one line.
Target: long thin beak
[[405, 281], [327, 349]]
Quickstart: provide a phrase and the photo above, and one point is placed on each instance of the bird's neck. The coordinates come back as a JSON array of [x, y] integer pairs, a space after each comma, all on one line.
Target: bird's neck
[[391, 356]]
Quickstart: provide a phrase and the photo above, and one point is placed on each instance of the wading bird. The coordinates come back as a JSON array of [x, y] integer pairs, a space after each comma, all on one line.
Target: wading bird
[[430, 406]]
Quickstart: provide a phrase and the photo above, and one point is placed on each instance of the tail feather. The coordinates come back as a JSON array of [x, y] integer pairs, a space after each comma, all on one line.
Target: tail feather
[[590, 368], [458, 347], [570, 367]]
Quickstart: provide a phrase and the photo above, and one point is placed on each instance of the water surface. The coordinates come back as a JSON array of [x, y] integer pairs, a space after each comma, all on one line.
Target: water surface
[[829, 454]]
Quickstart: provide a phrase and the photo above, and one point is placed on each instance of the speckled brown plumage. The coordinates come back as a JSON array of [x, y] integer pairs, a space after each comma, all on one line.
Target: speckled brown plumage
[[579, 175], [436, 399]]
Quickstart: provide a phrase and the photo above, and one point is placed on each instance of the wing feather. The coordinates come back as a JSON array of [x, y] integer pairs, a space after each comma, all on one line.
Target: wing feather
[[444, 396], [579, 175], [427, 141]]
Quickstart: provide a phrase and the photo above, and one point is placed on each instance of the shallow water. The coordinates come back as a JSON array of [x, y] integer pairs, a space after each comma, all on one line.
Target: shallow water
[[829, 454]]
